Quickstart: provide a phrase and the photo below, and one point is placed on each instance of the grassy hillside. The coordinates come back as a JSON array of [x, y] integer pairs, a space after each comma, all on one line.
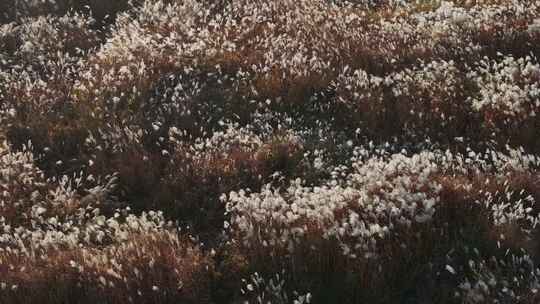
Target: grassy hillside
[[286, 151]]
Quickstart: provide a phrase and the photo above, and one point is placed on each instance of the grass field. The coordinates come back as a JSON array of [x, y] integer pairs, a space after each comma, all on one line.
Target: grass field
[[259, 151]]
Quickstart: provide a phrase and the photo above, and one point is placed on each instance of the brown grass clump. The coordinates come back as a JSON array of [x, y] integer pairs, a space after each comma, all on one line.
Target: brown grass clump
[[148, 268]]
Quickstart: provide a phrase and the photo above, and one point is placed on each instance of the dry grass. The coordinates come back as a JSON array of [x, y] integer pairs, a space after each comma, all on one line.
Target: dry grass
[[269, 151]]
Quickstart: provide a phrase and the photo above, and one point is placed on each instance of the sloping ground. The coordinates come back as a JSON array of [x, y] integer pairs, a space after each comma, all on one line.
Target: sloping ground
[[284, 151]]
